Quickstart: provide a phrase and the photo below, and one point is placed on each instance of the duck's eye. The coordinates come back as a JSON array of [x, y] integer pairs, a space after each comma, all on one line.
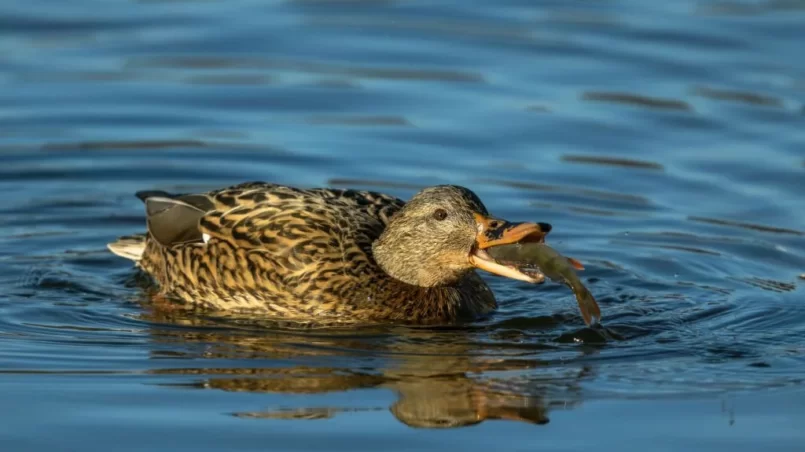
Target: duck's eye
[[440, 214]]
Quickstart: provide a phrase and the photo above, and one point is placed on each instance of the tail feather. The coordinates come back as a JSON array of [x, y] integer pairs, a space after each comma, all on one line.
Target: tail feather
[[131, 247]]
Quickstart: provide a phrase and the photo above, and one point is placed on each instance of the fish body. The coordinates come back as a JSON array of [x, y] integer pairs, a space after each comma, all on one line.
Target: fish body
[[537, 256]]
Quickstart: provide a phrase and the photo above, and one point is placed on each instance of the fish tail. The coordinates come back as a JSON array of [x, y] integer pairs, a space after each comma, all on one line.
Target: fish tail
[[587, 304]]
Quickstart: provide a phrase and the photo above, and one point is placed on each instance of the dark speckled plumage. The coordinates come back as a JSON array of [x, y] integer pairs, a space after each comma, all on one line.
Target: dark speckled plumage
[[315, 254]]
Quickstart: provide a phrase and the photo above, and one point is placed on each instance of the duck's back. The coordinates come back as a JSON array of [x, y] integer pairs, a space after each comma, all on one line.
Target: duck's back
[[263, 246]]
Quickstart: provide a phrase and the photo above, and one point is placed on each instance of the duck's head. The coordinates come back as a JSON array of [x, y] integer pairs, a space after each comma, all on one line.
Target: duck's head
[[442, 233]]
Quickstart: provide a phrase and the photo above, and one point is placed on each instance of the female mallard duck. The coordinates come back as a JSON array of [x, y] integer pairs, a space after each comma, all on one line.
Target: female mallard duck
[[326, 254]]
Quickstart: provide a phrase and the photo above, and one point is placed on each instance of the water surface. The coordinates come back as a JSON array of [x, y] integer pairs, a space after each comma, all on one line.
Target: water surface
[[664, 142]]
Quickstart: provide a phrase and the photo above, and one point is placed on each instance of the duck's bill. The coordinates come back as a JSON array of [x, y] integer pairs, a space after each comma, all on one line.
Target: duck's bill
[[496, 232]]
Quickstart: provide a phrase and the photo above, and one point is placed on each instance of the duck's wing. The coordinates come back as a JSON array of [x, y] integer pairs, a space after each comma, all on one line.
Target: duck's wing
[[314, 244], [271, 217], [278, 219], [172, 221]]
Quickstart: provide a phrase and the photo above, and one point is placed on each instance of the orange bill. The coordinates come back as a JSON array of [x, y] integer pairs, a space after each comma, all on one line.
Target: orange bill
[[494, 232]]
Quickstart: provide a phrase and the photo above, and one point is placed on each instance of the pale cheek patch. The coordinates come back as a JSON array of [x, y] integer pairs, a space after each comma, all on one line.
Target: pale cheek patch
[[205, 237]]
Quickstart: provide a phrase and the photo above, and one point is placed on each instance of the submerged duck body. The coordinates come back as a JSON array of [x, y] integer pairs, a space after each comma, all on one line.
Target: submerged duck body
[[325, 254]]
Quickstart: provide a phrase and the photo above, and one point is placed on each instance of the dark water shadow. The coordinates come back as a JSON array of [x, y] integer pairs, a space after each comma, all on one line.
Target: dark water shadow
[[612, 161], [366, 121], [586, 196], [637, 100], [746, 225], [738, 96], [113, 145]]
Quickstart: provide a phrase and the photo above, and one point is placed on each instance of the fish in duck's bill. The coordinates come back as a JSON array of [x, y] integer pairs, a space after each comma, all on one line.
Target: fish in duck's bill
[[535, 260], [493, 234]]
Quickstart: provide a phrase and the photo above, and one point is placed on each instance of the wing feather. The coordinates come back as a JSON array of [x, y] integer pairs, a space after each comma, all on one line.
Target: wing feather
[[171, 221]]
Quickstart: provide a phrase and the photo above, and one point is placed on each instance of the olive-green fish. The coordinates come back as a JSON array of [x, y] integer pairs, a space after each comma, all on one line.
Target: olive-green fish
[[539, 260]]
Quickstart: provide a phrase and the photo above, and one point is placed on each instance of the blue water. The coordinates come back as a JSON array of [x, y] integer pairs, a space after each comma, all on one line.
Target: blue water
[[665, 143]]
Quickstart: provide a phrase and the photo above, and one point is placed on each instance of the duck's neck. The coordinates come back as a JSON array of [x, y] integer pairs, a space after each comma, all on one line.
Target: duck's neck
[[468, 299]]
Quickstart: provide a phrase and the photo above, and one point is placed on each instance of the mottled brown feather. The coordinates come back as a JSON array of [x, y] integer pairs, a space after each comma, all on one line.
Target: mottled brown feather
[[299, 254]]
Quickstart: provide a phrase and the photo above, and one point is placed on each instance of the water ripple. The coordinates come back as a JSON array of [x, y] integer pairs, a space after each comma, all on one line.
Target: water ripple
[[637, 100], [685, 207]]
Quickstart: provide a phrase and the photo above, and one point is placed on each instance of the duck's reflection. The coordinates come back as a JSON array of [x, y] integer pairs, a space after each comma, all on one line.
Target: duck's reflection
[[442, 379]]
